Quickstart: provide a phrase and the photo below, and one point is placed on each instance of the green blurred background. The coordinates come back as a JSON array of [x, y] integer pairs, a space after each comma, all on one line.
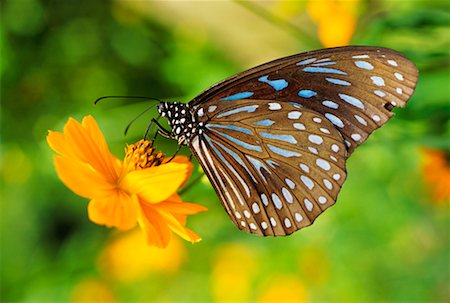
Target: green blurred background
[[387, 239]]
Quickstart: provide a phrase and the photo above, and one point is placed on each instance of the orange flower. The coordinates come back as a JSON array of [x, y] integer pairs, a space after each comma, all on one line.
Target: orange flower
[[335, 19], [141, 189], [436, 173]]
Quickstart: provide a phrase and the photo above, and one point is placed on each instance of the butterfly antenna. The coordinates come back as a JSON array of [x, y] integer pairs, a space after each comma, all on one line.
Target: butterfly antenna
[[137, 117], [126, 97]]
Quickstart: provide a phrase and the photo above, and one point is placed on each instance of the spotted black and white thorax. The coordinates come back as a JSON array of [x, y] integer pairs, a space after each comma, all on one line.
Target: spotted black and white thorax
[[182, 119]]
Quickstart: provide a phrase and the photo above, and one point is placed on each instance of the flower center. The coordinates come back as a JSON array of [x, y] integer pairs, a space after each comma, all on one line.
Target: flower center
[[142, 155]]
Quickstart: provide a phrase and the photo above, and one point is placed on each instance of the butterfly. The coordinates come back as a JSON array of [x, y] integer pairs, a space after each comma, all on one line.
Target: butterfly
[[274, 140]]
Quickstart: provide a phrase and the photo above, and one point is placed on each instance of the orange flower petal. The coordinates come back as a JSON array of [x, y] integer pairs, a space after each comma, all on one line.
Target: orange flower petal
[[155, 228], [82, 179], [157, 183], [177, 227], [182, 208], [57, 142], [85, 147], [119, 210]]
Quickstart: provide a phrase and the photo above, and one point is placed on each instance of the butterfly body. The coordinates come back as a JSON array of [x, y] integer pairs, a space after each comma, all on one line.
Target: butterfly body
[[274, 140], [183, 121]]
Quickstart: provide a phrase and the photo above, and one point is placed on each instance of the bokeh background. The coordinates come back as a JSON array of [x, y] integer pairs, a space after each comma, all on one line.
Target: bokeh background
[[387, 239]]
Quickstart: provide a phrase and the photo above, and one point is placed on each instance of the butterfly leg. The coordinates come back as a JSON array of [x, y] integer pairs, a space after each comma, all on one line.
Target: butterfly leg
[[161, 130], [176, 152]]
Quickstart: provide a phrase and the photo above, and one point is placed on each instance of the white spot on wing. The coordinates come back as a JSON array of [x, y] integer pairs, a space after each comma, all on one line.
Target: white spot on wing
[[323, 164], [315, 139], [328, 184], [356, 137], [335, 120], [290, 183], [360, 120], [273, 222], [294, 115], [308, 204], [274, 106], [330, 104], [399, 76], [287, 195], [352, 100], [313, 150], [364, 65], [324, 130], [299, 126], [378, 81], [287, 222], [392, 62], [360, 56], [379, 93], [335, 148], [307, 181], [304, 167], [255, 208], [264, 199], [276, 201]]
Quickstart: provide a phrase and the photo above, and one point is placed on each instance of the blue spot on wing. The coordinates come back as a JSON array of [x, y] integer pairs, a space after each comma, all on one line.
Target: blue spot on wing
[[238, 96], [248, 108], [284, 138], [283, 152], [324, 63], [307, 61], [276, 84], [364, 65], [306, 93], [311, 69], [230, 127], [338, 81], [297, 105], [266, 122]]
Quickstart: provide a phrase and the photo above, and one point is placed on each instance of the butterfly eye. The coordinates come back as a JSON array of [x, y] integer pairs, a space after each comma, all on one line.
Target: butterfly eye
[[274, 140]]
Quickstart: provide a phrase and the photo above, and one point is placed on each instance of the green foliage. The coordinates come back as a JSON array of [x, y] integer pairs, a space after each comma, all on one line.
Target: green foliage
[[386, 240]]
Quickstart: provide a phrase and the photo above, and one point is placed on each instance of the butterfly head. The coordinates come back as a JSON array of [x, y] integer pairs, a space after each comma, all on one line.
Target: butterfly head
[[182, 119]]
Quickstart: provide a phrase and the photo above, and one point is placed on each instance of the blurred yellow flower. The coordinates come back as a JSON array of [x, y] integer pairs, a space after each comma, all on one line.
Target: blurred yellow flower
[[436, 173], [233, 272], [283, 288], [122, 193], [91, 290], [335, 19], [127, 258]]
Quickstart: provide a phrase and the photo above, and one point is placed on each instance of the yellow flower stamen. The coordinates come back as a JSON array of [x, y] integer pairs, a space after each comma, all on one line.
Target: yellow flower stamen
[[142, 155]]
